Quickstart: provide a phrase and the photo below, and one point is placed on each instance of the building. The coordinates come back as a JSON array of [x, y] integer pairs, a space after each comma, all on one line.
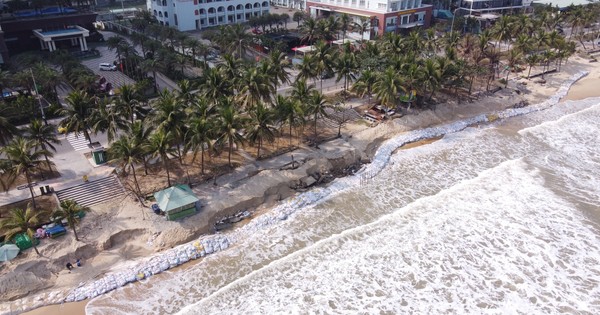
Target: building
[[187, 15], [385, 15], [49, 28], [293, 4], [481, 7]]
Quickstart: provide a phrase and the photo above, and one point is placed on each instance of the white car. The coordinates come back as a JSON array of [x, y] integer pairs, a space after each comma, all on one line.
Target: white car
[[107, 67]]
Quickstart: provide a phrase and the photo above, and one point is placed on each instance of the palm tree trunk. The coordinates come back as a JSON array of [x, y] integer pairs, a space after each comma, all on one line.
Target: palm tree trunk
[[529, 72], [166, 164], [316, 130], [134, 180], [72, 225], [28, 178], [258, 150], [202, 160], [87, 135], [290, 134], [230, 151]]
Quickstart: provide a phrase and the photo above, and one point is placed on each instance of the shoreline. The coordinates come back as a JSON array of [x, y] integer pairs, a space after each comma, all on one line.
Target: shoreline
[[400, 140]]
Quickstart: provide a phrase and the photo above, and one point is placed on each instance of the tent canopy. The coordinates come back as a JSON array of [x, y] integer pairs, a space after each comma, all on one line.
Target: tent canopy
[[8, 252], [175, 198]]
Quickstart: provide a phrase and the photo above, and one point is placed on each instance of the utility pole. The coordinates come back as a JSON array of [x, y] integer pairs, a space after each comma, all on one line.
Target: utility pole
[[38, 96]]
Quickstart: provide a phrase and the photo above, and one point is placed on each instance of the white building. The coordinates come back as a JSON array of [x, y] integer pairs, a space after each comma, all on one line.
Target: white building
[[187, 15], [479, 7], [294, 4]]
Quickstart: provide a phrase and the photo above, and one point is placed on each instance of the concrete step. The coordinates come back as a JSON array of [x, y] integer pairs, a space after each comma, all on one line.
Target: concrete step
[[94, 192]]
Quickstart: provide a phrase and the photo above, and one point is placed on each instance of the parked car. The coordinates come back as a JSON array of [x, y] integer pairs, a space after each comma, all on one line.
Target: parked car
[[107, 67]]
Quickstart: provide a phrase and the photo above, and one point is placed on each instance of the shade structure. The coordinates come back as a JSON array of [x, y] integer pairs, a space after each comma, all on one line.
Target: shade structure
[[8, 252], [177, 201]]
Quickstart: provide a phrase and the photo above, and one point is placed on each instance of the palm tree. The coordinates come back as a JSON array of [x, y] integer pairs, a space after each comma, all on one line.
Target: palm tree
[[307, 68], [169, 117], [116, 43], [255, 85], [514, 59], [362, 27], [127, 152], [140, 132], [301, 90], [324, 56], [151, 65], [344, 23], [260, 126], [70, 210], [215, 85], [278, 65], [364, 84], [431, 76], [129, 103], [309, 30], [387, 87], [503, 30], [24, 158], [160, 145], [346, 67], [288, 110], [230, 126], [316, 106], [43, 136], [77, 113], [21, 221], [532, 60], [107, 119], [199, 136]]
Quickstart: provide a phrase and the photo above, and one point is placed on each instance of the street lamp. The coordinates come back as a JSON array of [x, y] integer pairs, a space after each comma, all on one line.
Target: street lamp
[[38, 96]]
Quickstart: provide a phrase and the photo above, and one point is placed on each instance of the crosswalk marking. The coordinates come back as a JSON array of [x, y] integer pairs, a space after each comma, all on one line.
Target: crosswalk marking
[[77, 141]]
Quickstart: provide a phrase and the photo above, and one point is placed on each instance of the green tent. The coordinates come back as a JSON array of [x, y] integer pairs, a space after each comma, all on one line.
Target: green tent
[[24, 242], [177, 201]]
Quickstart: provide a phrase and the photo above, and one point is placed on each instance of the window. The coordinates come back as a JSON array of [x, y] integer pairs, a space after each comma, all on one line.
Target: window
[[166, 14], [195, 2], [239, 7], [202, 11], [382, 6], [195, 12], [175, 18], [211, 10], [220, 19]]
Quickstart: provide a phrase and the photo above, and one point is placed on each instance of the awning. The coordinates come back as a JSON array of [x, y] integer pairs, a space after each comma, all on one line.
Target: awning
[[411, 25], [353, 13], [304, 49]]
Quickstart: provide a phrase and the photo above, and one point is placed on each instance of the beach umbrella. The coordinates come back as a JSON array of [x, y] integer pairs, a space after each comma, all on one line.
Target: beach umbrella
[[8, 252]]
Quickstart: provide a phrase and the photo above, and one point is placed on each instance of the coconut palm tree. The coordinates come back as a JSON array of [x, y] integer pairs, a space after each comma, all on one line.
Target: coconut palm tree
[[169, 116], [215, 85], [324, 56], [532, 60], [160, 145], [70, 210], [346, 67], [24, 159], [364, 84], [278, 64], [301, 90], [363, 26], [199, 136], [255, 85], [77, 113], [387, 87], [151, 65], [260, 126], [307, 68], [288, 110], [316, 106], [140, 132], [129, 103], [44, 137], [431, 76], [344, 22], [229, 126], [107, 119], [309, 30], [21, 221], [514, 59], [503, 30], [127, 152]]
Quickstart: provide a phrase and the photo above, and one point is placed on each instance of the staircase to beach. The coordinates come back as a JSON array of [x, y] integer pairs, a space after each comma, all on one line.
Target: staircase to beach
[[93, 192]]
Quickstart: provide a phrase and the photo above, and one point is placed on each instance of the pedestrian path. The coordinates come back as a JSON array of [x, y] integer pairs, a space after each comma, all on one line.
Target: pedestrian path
[[77, 141]]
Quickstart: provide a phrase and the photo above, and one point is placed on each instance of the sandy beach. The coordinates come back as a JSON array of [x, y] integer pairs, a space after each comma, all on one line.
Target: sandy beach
[[113, 235]]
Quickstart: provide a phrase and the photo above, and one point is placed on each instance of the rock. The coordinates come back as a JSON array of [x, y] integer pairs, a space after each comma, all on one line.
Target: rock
[[308, 181]]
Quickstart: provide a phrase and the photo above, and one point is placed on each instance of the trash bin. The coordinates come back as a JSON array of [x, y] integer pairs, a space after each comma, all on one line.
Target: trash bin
[[99, 155], [42, 190], [48, 189]]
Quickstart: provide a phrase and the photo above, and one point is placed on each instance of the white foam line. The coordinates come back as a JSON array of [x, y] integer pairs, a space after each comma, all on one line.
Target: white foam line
[[182, 253]]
